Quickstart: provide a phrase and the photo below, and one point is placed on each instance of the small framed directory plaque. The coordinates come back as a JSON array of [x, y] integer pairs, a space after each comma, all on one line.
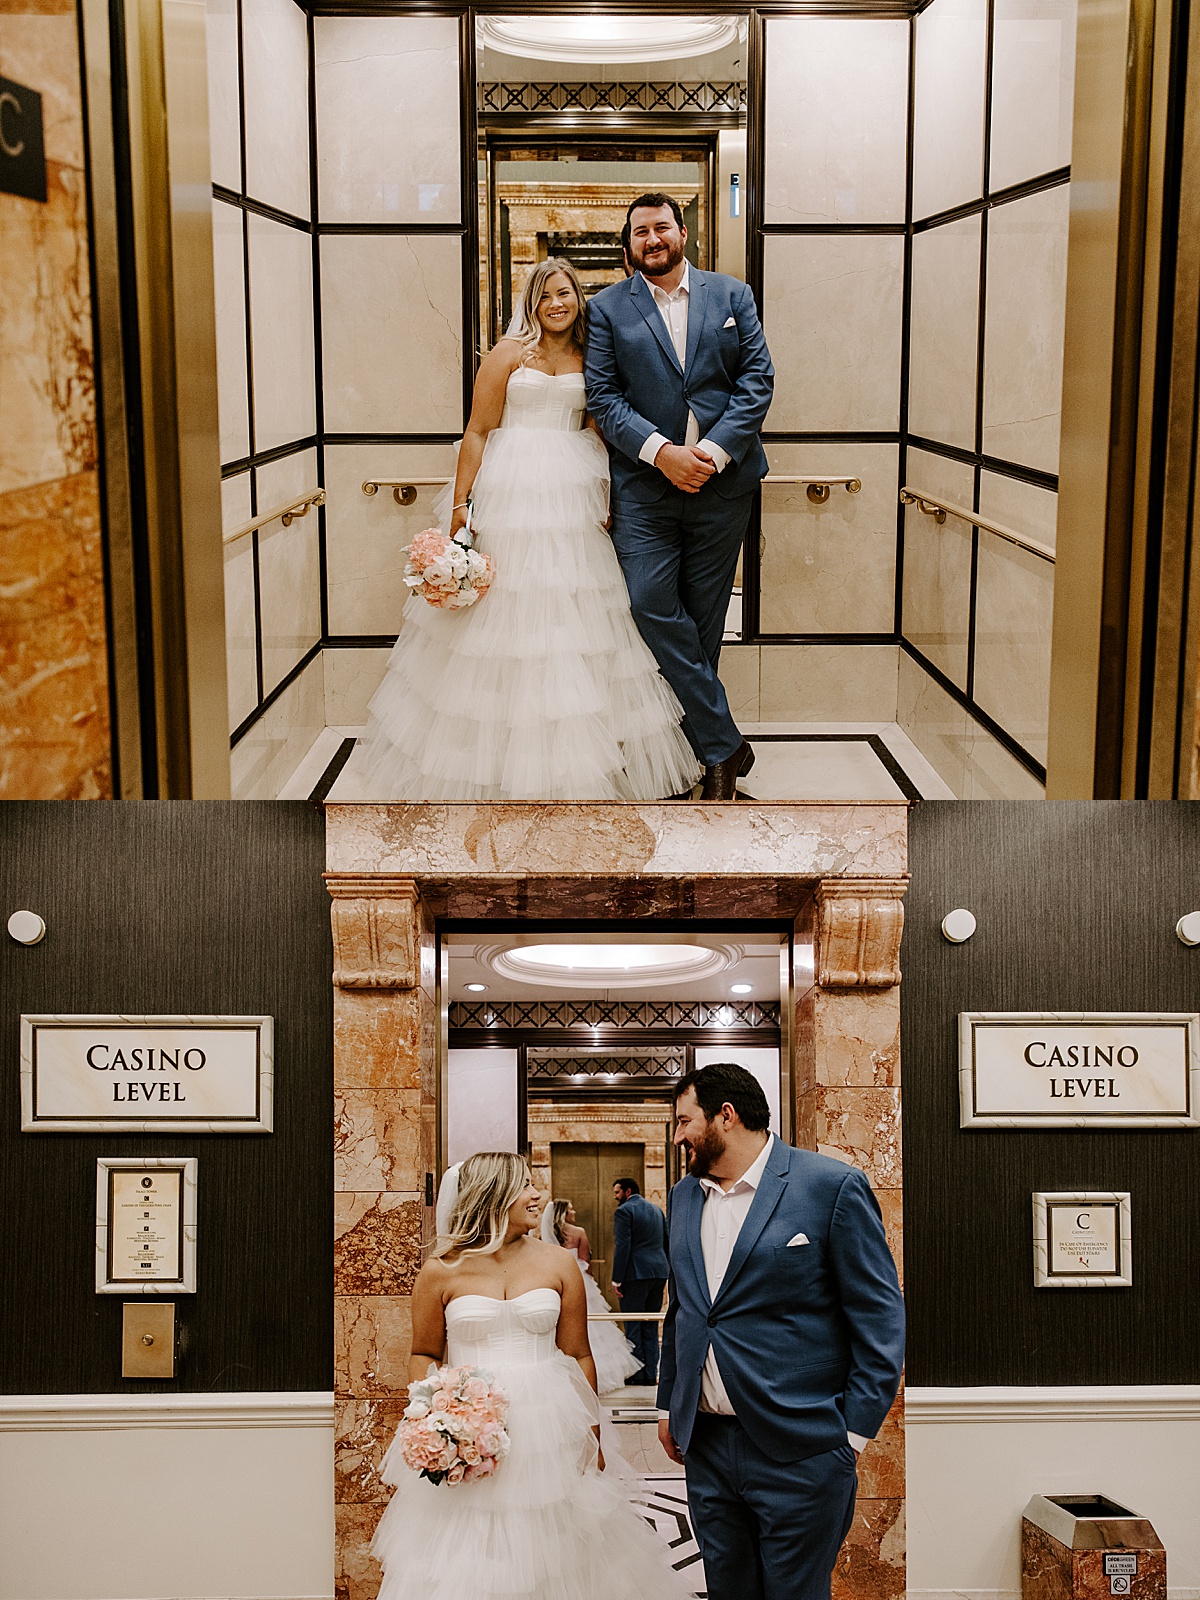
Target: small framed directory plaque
[[1082, 1241], [146, 1225]]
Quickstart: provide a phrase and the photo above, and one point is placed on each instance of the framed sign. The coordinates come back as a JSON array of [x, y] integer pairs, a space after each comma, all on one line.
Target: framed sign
[[146, 1074], [146, 1225], [1078, 1070], [1082, 1241]]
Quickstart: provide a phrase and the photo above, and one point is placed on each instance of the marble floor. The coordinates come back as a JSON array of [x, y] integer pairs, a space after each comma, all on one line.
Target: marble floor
[[794, 761], [660, 1494]]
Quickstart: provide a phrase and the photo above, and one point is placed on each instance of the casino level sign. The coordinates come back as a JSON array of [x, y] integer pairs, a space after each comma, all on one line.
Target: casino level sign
[[1078, 1070]]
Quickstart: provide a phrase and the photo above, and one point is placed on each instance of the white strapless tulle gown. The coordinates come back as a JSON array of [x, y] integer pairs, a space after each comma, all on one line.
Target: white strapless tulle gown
[[544, 689], [548, 1525], [611, 1350]]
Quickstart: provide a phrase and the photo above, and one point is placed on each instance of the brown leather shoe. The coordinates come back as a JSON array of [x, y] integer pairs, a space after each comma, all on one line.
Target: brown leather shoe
[[720, 782]]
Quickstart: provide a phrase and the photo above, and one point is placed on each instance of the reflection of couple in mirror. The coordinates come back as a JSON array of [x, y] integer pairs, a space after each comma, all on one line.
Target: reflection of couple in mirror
[[589, 670]]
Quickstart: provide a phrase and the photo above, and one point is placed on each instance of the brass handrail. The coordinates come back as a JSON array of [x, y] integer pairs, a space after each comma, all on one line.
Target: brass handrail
[[940, 509], [286, 514], [404, 490], [816, 487], [626, 1316]]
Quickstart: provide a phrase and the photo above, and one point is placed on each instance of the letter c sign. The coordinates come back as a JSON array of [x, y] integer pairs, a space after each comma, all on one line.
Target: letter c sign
[[22, 149], [7, 100]]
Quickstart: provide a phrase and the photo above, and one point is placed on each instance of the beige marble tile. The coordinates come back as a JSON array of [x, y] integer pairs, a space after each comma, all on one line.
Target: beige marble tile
[[993, 774], [739, 677], [1014, 617], [951, 57], [265, 758], [281, 315], [241, 661], [289, 568], [224, 116], [372, 1337], [828, 683], [351, 678], [832, 314], [387, 119], [944, 333], [836, 119], [376, 1139], [391, 329], [229, 285], [937, 566], [275, 66], [1023, 507], [935, 723], [367, 534], [54, 729], [40, 47], [47, 393], [830, 568], [1033, 88], [1023, 337]]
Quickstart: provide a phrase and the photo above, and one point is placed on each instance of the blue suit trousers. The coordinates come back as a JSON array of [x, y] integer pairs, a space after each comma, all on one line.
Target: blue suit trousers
[[768, 1530], [679, 555]]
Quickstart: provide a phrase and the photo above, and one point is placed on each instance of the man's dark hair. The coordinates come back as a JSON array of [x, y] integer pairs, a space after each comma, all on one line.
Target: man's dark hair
[[654, 201], [630, 1185], [724, 1082]]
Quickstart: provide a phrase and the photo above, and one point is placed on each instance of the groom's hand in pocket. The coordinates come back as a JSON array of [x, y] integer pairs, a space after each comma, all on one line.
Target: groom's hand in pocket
[[686, 467], [668, 1443]]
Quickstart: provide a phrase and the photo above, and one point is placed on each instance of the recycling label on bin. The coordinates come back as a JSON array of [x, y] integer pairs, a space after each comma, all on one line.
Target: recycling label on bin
[[1120, 1564]]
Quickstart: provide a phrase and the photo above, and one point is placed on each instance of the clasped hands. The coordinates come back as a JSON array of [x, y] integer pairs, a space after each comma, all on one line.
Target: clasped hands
[[686, 466]]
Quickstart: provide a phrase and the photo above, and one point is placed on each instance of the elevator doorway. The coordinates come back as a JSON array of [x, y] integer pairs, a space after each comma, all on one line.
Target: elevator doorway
[[585, 1174]]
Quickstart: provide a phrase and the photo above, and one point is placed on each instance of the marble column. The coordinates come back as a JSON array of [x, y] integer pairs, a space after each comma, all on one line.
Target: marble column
[[385, 1129], [848, 1106], [54, 730]]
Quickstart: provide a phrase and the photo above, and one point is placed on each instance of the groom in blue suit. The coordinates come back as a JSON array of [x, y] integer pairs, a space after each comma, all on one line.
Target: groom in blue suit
[[783, 1343], [679, 382]]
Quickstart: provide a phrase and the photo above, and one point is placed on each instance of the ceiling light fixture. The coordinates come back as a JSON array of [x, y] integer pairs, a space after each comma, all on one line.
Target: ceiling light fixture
[[476, 988], [607, 40], [601, 965], [741, 988]]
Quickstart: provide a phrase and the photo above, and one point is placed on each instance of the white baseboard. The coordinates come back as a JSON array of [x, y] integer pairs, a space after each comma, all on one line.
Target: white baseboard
[[1066, 1403]]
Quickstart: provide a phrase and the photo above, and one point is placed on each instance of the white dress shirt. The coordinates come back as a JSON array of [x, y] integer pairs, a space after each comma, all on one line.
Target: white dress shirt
[[725, 1211], [673, 308]]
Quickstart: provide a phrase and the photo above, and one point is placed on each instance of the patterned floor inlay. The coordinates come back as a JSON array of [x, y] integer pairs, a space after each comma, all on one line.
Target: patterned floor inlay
[[663, 1502]]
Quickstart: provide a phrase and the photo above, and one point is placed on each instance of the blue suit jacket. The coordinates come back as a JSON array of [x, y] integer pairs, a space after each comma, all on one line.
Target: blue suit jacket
[[809, 1338], [639, 1241], [636, 387]]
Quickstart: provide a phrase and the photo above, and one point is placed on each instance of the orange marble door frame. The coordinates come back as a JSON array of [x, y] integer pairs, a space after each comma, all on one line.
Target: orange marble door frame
[[837, 872]]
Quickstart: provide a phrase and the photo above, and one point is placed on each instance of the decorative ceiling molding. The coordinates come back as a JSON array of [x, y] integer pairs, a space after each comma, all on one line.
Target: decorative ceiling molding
[[610, 38], [693, 964], [490, 1016], [502, 98]]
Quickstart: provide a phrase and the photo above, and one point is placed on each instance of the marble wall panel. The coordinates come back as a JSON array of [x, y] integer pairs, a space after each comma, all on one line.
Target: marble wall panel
[[241, 650], [376, 1139], [1023, 337], [379, 1042], [367, 534], [1025, 507], [951, 69], [263, 761], [944, 333], [871, 1561], [281, 316], [275, 67], [832, 313], [229, 284], [372, 1334], [351, 678], [836, 119], [830, 568], [289, 567], [966, 756], [47, 389], [937, 566], [387, 93], [391, 328], [1033, 88], [377, 1242], [1014, 617], [828, 683], [738, 669], [224, 110], [54, 733]]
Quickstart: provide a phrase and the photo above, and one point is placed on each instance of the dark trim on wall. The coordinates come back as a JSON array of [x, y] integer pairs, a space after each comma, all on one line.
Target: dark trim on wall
[[243, 728], [989, 724]]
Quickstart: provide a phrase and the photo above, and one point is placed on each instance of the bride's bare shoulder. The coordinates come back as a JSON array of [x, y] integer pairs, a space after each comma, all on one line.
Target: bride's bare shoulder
[[505, 353]]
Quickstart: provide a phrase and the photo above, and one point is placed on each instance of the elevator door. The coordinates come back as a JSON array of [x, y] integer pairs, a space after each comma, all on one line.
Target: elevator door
[[584, 1174]]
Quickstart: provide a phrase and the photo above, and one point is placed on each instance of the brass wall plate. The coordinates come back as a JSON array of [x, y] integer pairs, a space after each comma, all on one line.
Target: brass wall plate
[[148, 1339]]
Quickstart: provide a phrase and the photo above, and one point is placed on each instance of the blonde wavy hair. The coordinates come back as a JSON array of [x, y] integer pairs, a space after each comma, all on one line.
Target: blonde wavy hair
[[525, 325], [489, 1185], [558, 1216]]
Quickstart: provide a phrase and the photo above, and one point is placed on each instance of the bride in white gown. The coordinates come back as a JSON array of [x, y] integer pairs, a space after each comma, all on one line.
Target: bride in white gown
[[611, 1350], [543, 689], [549, 1525]]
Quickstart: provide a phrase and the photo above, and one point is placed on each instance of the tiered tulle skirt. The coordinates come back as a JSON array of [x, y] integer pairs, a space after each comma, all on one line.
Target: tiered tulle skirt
[[544, 689], [547, 1526]]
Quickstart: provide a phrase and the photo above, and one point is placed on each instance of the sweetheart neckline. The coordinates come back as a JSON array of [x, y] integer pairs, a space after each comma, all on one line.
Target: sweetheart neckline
[[538, 373], [496, 1300]]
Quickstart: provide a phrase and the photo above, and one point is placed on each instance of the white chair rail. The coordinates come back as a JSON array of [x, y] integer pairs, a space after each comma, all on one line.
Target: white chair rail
[[931, 506], [286, 513]]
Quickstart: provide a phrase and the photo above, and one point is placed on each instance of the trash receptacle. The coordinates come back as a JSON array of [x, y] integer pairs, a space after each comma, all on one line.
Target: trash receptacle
[[1086, 1547]]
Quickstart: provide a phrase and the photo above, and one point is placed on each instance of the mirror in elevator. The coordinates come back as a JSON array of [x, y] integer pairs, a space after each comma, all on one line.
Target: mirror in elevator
[[584, 1174]]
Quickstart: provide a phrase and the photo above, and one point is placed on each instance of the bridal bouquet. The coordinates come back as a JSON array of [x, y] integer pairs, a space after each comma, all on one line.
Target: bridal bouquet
[[449, 573], [453, 1428]]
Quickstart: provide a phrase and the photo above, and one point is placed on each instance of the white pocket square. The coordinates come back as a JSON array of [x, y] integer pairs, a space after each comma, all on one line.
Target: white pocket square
[[731, 322], [799, 1238]]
